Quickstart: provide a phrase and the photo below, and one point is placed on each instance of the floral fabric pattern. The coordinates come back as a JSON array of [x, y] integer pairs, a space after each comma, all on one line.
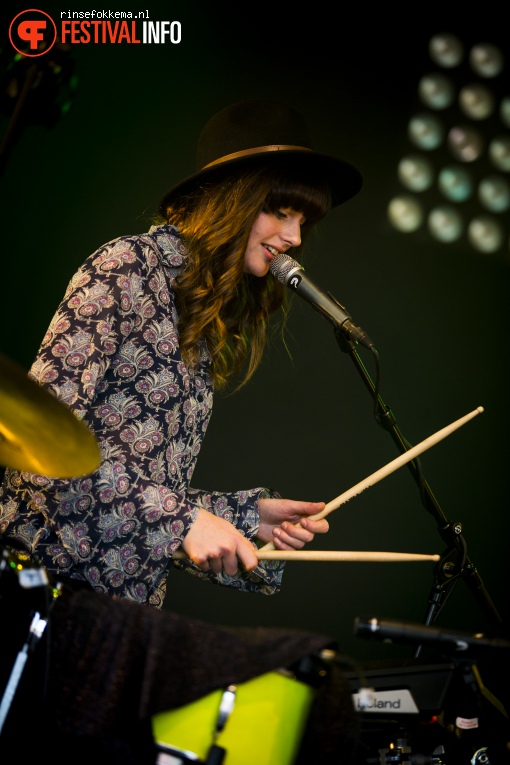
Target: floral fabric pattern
[[111, 354]]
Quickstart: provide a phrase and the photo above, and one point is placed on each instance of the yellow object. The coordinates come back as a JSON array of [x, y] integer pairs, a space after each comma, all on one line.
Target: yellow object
[[265, 726], [39, 433]]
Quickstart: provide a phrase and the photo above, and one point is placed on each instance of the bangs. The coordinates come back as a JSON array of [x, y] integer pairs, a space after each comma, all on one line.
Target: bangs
[[307, 193]]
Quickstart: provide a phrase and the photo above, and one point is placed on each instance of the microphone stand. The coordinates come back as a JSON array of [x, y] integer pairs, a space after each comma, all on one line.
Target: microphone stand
[[454, 563]]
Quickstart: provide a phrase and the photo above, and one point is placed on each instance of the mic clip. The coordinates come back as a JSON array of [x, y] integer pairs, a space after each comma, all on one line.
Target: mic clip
[[349, 330]]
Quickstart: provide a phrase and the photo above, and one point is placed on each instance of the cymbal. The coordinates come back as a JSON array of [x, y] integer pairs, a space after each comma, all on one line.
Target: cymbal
[[38, 433]]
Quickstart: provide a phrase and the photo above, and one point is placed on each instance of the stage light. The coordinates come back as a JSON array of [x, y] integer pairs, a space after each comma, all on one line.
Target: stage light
[[504, 111], [485, 234], [436, 91], [465, 143], [494, 193], [446, 50], [455, 183], [499, 152], [405, 213], [426, 131], [445, 224], [486, 60], [476, 101], [452, 179], [415, 173]]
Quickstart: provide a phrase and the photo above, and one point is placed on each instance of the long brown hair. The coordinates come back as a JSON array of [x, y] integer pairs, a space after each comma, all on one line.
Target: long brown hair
[[217, 301]]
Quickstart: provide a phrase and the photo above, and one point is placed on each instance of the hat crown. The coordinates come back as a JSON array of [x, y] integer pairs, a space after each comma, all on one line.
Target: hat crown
[[247, 133], [248, 125]]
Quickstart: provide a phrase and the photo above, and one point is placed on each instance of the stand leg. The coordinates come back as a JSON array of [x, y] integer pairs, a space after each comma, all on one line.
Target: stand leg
[[37, 627]]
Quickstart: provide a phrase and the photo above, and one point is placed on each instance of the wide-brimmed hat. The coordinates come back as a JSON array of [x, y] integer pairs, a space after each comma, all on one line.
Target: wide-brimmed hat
[[248, 132]]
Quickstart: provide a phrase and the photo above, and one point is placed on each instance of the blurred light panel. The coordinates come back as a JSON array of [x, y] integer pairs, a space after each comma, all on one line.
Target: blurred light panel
[[426, 131], [494, 193], [455, 183], [499, 153], [465, 143], [415, 173], [486, 60], [445, 224], [504, 111], [485, 234], [454, 177], [405, 213], [476, 101], [436, 91], [446, 50]]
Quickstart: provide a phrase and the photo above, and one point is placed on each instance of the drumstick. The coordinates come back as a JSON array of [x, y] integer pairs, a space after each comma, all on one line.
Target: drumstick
[[389, 468], [330, 555], [342, 555]]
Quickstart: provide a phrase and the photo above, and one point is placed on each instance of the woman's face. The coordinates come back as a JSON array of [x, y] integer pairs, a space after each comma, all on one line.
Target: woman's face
[[271, 233]]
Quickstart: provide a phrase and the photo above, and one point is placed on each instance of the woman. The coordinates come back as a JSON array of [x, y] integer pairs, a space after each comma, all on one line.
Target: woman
[[149, 326]]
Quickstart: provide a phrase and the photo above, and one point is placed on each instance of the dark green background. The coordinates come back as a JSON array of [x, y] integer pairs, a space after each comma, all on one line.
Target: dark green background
[[438, 314]]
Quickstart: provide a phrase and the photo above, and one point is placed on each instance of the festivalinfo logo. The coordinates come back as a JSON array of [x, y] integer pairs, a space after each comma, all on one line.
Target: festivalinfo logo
[[34, 32]]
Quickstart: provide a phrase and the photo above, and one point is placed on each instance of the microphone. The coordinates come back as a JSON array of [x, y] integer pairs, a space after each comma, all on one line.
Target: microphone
[[409, 632], [291, 273]]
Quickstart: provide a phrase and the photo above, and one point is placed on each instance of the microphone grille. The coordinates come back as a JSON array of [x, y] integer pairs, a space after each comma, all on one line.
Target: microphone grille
[[281, 265]]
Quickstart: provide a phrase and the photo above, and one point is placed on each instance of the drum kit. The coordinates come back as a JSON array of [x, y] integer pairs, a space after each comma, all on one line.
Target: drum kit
[[261, 721]]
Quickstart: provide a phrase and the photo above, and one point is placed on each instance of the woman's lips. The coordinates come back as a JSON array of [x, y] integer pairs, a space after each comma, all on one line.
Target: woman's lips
[[272, 252]]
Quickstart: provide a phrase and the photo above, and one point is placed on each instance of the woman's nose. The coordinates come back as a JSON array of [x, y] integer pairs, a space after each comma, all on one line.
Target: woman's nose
[[292, 233]]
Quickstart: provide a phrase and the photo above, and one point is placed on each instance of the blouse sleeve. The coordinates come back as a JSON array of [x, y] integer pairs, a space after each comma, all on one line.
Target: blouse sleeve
[[241, 509]]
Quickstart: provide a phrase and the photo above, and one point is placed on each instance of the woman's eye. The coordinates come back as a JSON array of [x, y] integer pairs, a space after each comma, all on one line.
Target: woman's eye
[[280, 215]]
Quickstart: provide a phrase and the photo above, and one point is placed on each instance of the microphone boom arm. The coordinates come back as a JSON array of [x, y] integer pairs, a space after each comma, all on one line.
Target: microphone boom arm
[[455, 562], [451, 532]]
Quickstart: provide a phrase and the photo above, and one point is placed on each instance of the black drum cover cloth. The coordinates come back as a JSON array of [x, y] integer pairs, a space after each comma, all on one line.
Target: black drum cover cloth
[[104, 667]]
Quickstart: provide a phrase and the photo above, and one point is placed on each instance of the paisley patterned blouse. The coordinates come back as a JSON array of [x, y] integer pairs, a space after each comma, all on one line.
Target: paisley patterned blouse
[[111, 354]]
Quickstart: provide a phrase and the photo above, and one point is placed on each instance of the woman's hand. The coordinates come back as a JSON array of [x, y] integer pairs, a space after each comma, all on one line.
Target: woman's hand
[[285, 522], [215, 544]]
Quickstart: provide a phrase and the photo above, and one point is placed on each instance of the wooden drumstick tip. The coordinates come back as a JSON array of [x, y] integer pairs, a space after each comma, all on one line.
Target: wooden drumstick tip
[[395, 464]]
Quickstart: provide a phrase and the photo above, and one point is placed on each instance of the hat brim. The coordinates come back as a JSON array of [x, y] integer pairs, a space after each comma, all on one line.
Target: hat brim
[[344, 180]]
